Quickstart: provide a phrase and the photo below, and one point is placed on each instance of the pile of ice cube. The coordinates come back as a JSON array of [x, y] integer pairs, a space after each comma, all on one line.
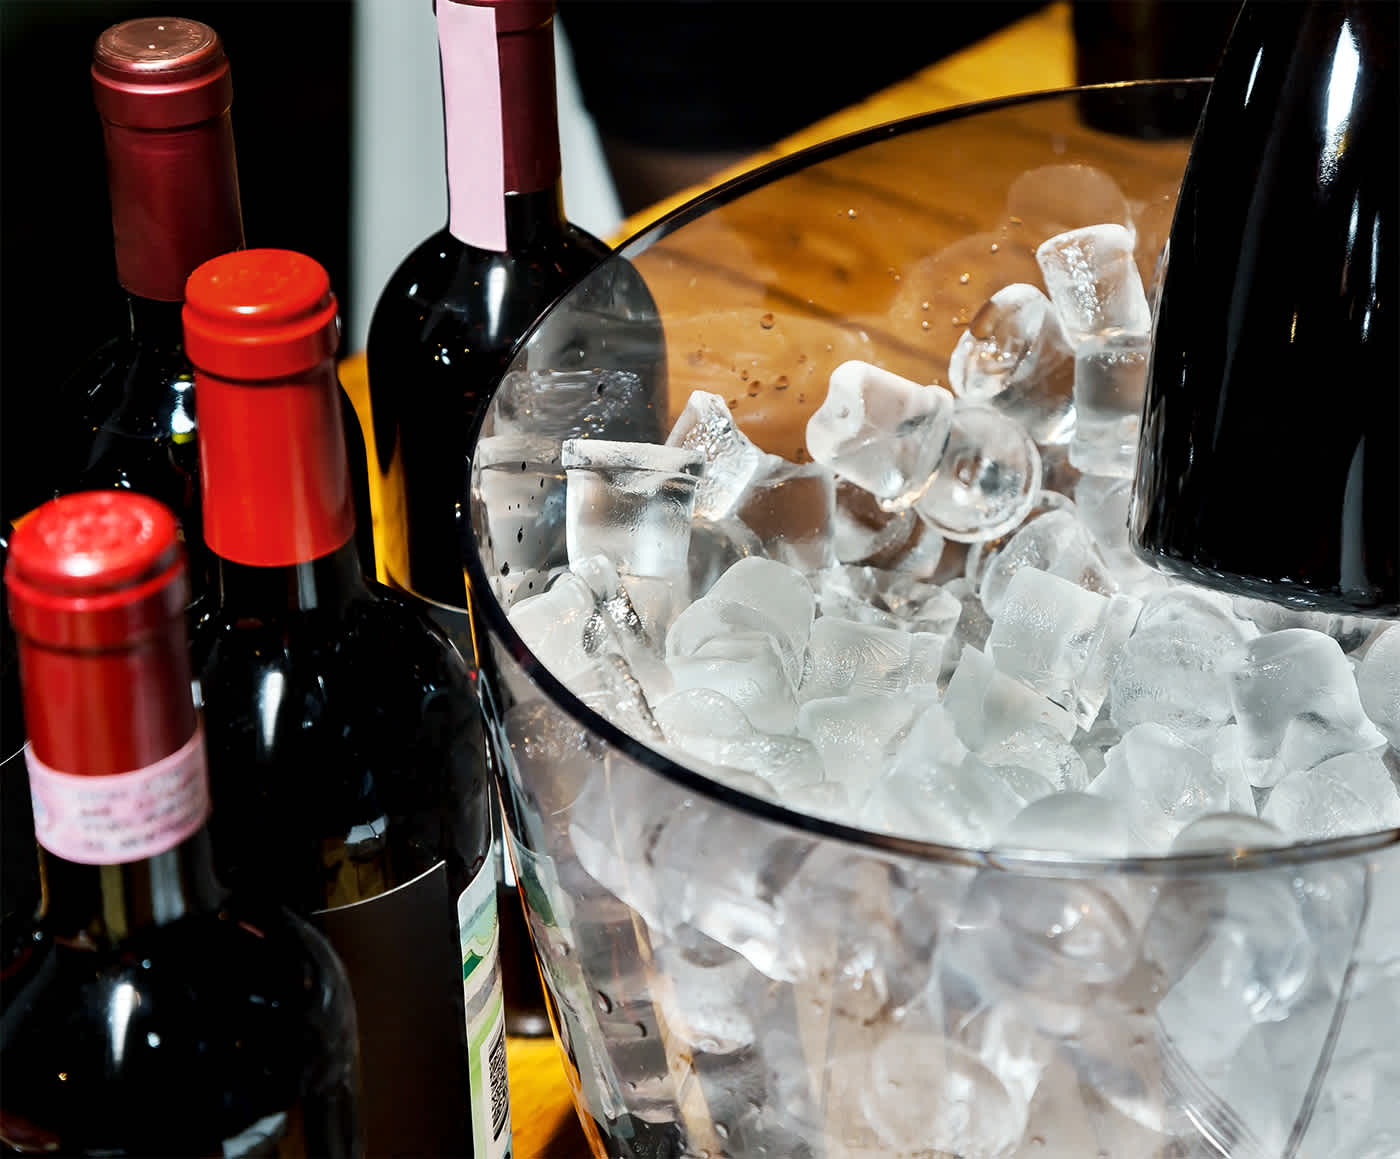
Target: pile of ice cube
[[916, 633]]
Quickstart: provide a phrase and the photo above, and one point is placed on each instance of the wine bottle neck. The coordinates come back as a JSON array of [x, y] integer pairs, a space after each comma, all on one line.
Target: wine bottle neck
[[501, 119], [175, 204], [154, 323], [101, 905], [328, 584], [274, 472], [533, 218]]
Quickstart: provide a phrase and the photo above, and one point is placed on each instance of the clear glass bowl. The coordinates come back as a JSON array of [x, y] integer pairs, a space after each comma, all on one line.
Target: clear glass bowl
[[729, 978]]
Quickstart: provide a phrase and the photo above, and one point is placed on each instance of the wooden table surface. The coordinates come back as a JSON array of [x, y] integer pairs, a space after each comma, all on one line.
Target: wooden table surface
[[1034, 54]]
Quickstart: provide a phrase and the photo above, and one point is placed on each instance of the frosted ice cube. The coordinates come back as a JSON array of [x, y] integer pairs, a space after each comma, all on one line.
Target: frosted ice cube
[[1110, 375], [745, 667], [965, 804], [1045, 752], [1093, 280], [1175, 667], [1378, 682], [845, 657], [857, 736], [1061, 640], [632, 502], [882, 432], [892, 599], [790, 507], [731, 460], [989, 706], [1055, 541], [1073, 823], [1219, 832], [987, 479], [1347, 795], [759, 596], [1164, 784], [1296, 701], [1013, 356]]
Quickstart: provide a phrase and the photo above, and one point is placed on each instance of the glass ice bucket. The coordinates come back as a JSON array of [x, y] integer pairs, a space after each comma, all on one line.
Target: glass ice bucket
[[731, 978]]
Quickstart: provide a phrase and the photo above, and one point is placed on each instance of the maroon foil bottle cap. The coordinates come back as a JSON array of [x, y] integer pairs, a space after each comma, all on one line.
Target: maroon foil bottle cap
[[98, 569], [160, 73]]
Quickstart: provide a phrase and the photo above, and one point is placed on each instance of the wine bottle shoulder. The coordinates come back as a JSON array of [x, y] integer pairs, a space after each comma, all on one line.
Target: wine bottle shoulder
[[176, 1038]]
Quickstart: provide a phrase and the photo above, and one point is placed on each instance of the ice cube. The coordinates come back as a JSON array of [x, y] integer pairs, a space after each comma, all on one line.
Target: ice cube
[[1110, 375], [790, 507], [731, 460], [988, 705], [1296, 701], [1378, 682], [862, 529], [972, 626], [857, 736], [520, 485], [1102, 503], [745, 667], [1164, 784], [1045, 752], [1014, 356], [1061, 640], [759, 596], [845, 657], [1052, 199], [714, 549], [964, 804], [1055, 541], [1071, 823], [632, 502], [1345, 796], [1350, 632], [882, 432], [593, 403], [987, 479], [891, 599], [1175, 668], [1093, 280], [1221, 832]]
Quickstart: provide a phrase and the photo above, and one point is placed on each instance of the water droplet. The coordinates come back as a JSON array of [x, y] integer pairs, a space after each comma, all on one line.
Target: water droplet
[[923, 305], [505, 569], [604, 1003], [733, 404], [924, 324], [1017, 221], [781, 382], [641, 1029], [766, 321], [801, 398], [721, 1130], [963, 279], [753, 388], [851, 213], [152, 1038], [995, 247], [744, 375], [520, 536]]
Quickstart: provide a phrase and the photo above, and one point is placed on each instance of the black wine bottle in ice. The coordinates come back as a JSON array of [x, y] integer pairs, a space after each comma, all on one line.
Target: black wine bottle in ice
[[151, 1011], [1269, 455], [346, 755]]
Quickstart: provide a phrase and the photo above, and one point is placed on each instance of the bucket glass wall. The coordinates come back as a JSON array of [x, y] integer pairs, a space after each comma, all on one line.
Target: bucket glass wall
[[728, 978]]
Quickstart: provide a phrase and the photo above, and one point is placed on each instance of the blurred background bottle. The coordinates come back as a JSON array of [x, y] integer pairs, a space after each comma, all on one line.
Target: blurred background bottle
[[1123, 40], [345, 744], [150, 1011]]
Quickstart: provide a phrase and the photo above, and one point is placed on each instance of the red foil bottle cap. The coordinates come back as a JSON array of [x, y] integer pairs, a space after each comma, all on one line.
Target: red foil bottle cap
[[260, 314], [98, 569], [160, 73]]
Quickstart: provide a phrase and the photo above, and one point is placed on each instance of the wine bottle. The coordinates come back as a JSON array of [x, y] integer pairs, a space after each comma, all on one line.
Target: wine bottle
[[19, 870], [346, 746], [1269, 453], [451, 316], [164, 93], [152, 1011]]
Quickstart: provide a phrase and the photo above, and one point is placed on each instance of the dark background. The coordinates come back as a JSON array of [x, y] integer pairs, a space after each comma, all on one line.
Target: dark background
[[59, 296]]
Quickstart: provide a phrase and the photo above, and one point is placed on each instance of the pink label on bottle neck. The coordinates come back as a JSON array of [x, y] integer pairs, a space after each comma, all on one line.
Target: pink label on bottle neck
[[120, 817], [471, 99]]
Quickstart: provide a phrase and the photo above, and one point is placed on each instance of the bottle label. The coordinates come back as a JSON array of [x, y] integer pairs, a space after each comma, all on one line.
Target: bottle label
[[471, 108], [120, 817], [485, 1003]]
